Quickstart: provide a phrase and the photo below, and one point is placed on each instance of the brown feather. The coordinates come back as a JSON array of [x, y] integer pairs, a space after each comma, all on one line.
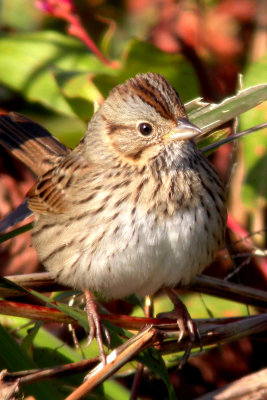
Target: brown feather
[[30, 142], [52, 191]]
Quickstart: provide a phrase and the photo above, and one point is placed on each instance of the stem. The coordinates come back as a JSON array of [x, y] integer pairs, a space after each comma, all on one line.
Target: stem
[[66, 10], [233, 137]]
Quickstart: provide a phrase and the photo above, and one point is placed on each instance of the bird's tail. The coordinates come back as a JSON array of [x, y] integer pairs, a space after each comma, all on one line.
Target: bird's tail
[[30, 142], [21, 213]]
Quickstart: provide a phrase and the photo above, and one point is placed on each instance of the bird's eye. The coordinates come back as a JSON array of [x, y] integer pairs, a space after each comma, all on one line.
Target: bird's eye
[[145, 128]]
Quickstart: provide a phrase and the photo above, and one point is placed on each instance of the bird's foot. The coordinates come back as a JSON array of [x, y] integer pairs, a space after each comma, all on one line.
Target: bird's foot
[[96, 325], [184, 322]]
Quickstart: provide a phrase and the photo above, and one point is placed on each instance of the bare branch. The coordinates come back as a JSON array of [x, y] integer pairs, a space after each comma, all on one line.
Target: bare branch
[[229, 290], [250, 387]]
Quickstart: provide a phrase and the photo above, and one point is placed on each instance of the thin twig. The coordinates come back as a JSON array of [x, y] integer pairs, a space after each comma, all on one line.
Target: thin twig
[[214, 333], [233, 137], [201, 283], [42, 374], [162, 336], [137, 381], [243, 234], [148, 309], [229, 290], [249, 235], [154, 335], [115, 360]]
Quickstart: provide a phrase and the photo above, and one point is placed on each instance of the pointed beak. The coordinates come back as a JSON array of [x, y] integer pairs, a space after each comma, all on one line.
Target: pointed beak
[[185, 130]]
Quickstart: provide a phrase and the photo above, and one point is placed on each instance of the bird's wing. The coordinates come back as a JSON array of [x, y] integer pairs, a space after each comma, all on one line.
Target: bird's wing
[[30, 142], [52, 192]]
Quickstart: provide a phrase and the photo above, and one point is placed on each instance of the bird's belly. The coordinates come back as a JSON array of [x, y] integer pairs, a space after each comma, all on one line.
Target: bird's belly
[[148, 254], [132, 255]]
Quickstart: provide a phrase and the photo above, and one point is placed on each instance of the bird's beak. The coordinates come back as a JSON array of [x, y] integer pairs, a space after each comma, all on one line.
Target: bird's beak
[[185, 130]]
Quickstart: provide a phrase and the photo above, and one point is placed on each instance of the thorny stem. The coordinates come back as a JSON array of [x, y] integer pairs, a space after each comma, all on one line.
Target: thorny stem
[[201, 283], [211, 334], [125, 352]]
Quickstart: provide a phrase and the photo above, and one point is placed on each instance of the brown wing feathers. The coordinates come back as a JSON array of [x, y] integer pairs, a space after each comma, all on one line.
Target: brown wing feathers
[[51, 192], [29, 142], [42, 153]]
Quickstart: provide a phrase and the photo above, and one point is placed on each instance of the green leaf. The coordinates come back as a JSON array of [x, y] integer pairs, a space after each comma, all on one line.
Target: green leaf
[[256, 72], [81, 317], [68, 130], [114, 390], [20, 14], [197, 305], [29, 63], [210, 117], [72, 312], [144, 57], [29, 338], [7, 284], [79, 91], [77, 314], [45, 339], [16, 359], [254, 189], [153, 360], [15, 232]]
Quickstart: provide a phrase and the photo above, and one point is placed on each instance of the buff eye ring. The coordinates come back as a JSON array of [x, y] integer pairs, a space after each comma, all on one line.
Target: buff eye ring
[[144, 128]]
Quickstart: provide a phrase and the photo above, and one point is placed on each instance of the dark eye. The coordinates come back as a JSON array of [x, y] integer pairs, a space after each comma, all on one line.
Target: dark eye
[[145, 128]]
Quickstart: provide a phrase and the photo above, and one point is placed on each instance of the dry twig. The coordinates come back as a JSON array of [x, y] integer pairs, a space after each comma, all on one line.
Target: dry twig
[[250, 387]]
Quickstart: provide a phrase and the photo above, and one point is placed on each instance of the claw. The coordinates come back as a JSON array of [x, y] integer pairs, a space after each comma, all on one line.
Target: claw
[[107, 336], [92, 331], [95, 324], [184, 322]]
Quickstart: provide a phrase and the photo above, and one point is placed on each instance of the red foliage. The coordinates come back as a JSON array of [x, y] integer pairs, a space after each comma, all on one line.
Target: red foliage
[[215, 34], [17, 256]]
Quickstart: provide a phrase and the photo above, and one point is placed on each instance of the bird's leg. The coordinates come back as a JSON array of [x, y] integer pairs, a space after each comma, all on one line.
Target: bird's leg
[[95, 324], [148, 307], [184, 322]]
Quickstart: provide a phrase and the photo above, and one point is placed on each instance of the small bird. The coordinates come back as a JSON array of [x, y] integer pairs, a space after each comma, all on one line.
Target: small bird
[[134, 207]]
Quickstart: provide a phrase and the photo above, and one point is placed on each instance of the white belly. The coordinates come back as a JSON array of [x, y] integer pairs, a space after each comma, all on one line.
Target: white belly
[[152, 255]]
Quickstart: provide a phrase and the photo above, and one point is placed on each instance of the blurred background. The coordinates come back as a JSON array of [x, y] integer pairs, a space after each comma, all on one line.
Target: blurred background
[[59, 56]]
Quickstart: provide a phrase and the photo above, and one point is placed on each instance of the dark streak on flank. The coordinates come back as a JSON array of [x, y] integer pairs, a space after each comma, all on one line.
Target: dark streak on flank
[[98, 210], [79, 217], [133, 211], [115, 230], [56, 251], [120, 184], [122, 200], [90, 197]]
